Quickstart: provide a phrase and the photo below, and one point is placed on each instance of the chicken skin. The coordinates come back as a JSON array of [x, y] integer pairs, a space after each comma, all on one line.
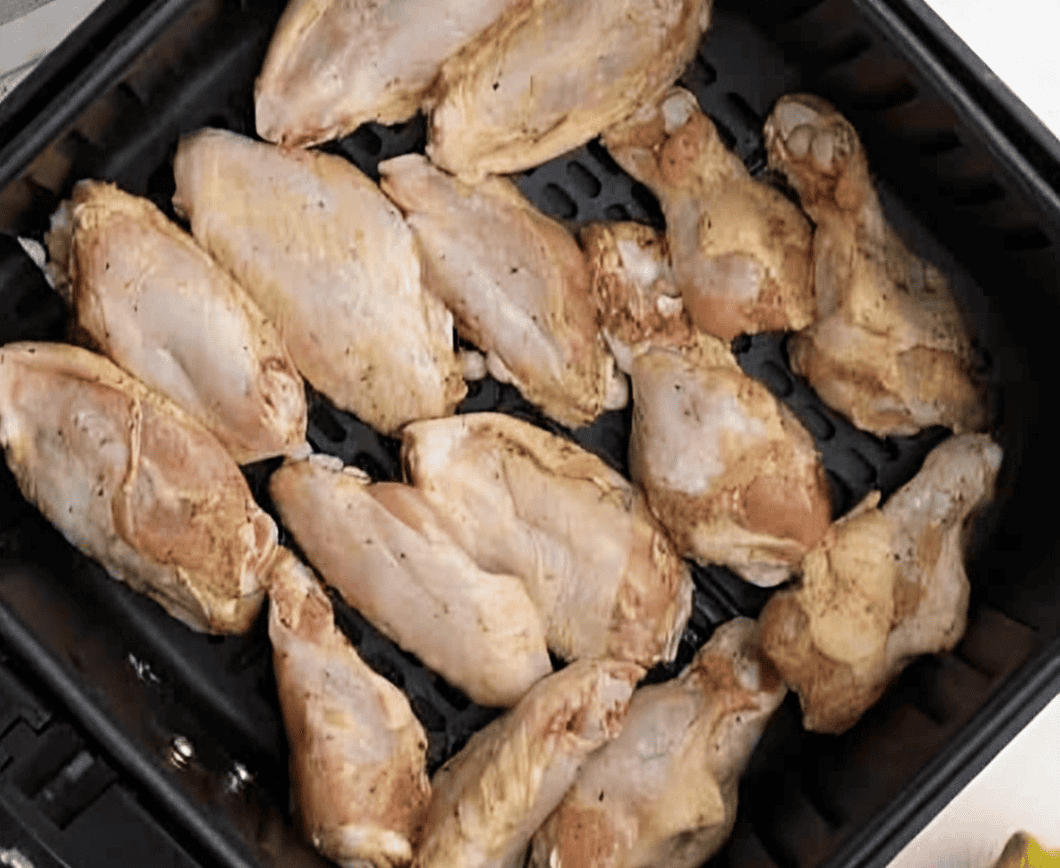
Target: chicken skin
[[153, 302], [492, 796], [358, 754], [727, 469], [885, 585], [332, 263], [663, 794], [889, 349], [135, 483], [516, 282], [522, 501], [549, 75], [741, 252], [382, 548], [335, 64]]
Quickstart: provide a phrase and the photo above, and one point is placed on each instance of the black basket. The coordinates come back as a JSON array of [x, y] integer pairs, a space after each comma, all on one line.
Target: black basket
[[116, 720]]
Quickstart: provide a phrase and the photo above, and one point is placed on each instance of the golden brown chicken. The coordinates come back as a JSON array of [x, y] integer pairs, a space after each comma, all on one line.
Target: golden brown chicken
[[890, 349], [135, 483], [492, 796], [884, 586], [727, 469], [333, 264], [522, 501], [517, 284], [156, 304], [549, 75], [334, 64], [663, 794], [358, 755], [383, 548], [741, 252]]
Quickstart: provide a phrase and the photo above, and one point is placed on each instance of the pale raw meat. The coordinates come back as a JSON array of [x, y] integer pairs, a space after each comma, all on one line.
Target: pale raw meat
[[890, 349], [522, 501], [335, 64], [332, 263], [358, 754], [728, 470], [550, 75], [663, 794], [517, 283], [135, 483], [741, 252], [156, 304], [638, 302], [491, 797], [381, 546], [883, 586]]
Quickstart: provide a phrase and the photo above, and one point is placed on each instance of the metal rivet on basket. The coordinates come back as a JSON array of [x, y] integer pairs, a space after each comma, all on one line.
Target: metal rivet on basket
[[180, 751]]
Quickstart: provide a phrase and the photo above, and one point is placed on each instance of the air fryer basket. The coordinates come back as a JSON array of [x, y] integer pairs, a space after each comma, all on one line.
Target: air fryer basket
[[186, 728]]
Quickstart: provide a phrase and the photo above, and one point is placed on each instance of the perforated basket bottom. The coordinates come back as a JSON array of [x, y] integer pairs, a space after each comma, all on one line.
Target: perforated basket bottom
[[220, 690]]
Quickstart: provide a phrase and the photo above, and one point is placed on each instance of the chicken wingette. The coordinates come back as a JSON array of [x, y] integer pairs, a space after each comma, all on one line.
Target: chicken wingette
[[150, 299], [521, 501], [135, 483], [381, 546], [517, 283], [549, 75], [333, 264]]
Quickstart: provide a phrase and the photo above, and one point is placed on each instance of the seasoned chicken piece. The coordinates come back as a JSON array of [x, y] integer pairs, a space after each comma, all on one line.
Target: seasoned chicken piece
[[152, 301], [638, 303], [358, 754], [522, 501], [741, 252], [331, 262], [890, 349], [727, 469], [335, 64], [883, 586], [382, 547], [1023, 851], [664, 792], [549, 75], [135, 483], [491, 797], [517, 283]]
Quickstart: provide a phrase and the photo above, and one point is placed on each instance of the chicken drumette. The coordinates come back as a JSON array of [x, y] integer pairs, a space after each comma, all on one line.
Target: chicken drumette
[[890, 349], [740, 250], [726, 468], [664, 792], [883, 586]]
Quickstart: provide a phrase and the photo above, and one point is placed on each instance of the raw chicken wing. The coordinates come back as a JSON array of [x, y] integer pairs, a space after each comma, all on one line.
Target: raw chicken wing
[[522, 501], [332, 263], [382, 548], [884, 586], [890, 349], [740, 250], [358, 755], [151, 300], [663, 794], [517, 283], [135, 483], [492, 796], [334, 64], [550, 75]]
